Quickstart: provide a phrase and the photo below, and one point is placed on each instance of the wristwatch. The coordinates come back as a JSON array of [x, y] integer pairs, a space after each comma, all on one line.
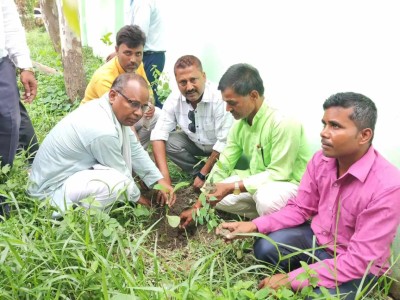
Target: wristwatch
[[236, 190], [201, 176], [26, 69]]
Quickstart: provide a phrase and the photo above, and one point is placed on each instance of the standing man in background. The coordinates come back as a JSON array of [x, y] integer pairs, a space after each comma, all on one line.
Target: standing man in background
[[15, 126], [147, 15]]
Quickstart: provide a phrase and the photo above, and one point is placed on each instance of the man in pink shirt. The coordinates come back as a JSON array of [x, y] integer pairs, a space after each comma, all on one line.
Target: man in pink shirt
[[350, 193]]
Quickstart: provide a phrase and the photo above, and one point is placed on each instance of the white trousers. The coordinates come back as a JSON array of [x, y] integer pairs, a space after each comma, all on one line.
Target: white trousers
[[97, 188], [269, 198]]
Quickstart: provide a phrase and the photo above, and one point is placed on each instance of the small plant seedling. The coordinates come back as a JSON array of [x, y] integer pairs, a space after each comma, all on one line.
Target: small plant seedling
[[106, 38], [173, 221], [206, 214]]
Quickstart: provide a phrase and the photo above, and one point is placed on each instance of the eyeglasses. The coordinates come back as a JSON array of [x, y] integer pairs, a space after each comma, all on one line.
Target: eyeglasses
[[134, 103], [192, 126]]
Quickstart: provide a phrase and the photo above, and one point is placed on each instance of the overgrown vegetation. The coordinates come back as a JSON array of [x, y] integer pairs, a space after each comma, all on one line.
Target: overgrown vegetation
[[95, 255]]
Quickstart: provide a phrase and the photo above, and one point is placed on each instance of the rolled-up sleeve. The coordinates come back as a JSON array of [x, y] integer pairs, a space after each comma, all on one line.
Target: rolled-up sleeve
[[166, 121]]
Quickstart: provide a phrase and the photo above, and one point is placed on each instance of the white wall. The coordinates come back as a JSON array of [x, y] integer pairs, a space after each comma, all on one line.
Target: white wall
[[305, 51]]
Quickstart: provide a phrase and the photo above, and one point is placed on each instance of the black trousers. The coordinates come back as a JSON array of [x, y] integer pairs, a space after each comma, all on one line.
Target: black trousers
[[301, 237], [16, 130]]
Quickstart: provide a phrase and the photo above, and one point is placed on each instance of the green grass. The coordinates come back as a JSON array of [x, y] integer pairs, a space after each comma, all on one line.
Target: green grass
[[95, 255]]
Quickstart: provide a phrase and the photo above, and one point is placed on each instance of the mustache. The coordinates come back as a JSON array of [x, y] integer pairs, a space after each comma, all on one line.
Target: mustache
[[324, 142]]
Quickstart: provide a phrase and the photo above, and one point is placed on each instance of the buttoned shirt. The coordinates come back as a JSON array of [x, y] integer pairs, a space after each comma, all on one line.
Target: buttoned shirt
[[147, 15], [12, 36], [103, 78], [356, 216], [274, 146], [85, 137], [212, 120]]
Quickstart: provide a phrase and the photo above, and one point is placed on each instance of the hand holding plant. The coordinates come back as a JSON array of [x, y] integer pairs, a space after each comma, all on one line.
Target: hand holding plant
[[198, 183], [229, 231], [186, 217], [166, 193], [220, 192]]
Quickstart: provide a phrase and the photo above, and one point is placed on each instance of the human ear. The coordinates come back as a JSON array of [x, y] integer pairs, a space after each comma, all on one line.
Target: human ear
[[366, 135], [254, 95], [111, 95]]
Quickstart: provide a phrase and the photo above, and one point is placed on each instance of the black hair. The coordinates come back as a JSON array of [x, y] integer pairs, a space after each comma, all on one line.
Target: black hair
[[242, 79], [131, 35], [364, 113]]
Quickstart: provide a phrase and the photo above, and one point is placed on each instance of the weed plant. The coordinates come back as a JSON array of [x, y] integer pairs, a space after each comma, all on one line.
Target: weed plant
[[90, 254]]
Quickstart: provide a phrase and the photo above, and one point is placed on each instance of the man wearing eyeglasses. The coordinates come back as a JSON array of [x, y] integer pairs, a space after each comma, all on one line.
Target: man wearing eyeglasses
[[128, 58], [91, 153], [203, 124]]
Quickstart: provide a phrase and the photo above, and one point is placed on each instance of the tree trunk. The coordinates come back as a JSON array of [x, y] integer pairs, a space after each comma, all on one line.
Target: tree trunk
[[71, 51], [50, 18]]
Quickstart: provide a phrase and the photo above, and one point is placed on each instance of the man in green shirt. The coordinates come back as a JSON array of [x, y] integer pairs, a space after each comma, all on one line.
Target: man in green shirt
[[274, 147]]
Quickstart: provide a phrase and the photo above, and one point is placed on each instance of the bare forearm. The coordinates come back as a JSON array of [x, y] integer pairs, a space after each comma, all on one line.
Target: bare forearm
[[210, 162], [160, 158]]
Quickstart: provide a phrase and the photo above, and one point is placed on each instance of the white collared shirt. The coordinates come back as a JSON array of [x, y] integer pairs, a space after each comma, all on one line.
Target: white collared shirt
[[12, 36], [212, 120]]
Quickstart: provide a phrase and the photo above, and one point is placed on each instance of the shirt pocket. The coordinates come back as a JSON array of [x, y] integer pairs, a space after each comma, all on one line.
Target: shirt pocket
[[347, 221], [257, 160], [261, 156]]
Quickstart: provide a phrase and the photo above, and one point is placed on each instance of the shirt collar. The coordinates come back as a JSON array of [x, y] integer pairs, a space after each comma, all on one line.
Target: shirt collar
[[262, 111], [360, 169], [116, 62]]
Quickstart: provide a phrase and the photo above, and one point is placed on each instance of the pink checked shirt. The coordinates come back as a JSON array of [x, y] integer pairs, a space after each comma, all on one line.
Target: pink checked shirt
[[366, 202]]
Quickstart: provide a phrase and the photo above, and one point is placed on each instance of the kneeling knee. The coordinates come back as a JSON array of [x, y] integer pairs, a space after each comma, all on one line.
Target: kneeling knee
[[265, 251]]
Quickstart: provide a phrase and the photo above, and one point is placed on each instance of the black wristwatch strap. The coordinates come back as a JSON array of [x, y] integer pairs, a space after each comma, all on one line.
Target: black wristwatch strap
[[201, 176]]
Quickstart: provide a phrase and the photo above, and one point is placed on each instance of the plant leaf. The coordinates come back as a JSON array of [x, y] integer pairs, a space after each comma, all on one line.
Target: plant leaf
[[181, 185], [160, 187], [173, 221]]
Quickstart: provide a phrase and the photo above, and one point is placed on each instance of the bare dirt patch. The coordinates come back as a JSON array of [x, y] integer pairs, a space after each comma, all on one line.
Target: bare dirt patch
[[176, 238]]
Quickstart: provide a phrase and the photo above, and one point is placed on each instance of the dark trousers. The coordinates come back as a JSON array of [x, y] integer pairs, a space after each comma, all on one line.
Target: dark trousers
[[16, 128], [301, 237], [151, 58]]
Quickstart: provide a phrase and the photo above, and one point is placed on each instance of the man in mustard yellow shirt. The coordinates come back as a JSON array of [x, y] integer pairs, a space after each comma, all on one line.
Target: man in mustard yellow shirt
[[128, 59]]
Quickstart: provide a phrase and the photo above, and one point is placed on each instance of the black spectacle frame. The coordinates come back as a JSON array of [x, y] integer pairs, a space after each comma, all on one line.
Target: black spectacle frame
[[192, 126], [134, 103]]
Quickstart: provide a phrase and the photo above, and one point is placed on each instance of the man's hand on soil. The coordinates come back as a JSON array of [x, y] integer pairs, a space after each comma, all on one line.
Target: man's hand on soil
[[186, 217], [197, 183], [144, 201], [167, 195]]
